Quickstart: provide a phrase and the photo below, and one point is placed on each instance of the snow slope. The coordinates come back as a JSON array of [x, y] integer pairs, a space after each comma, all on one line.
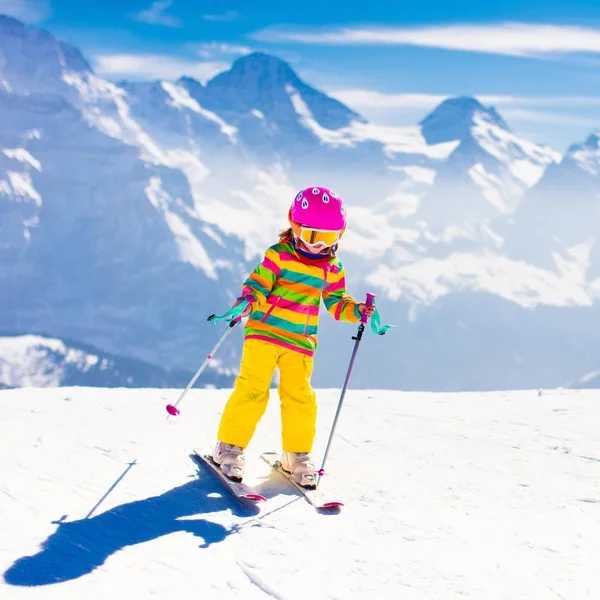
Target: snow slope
[[494, 496], [37, 361]]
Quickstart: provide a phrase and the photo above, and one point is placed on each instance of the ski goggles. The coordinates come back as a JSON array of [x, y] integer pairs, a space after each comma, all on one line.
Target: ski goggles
[[319, 237]]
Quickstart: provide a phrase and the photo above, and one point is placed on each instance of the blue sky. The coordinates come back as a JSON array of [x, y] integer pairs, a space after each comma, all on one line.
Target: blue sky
[[537, 62]]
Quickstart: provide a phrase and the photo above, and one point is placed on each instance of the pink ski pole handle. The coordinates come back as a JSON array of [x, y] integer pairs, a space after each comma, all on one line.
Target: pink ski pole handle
[[368, 302]]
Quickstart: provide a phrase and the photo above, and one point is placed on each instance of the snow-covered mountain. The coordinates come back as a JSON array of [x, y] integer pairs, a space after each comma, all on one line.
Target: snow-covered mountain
[[35, 361], [494, 496], [560, 216], [488, 172], [132, 211]]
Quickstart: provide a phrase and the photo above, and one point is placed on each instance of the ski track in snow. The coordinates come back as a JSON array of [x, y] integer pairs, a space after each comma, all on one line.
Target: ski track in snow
[[481, 495]]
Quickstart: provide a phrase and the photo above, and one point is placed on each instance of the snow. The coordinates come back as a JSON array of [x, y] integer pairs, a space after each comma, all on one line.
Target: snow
[[528, 172], [191, 249], [256, 209], [180, 98], [525, 160], [492, 495], [398, 140], [428, 279], [491, 187], [25, 361], [420, 174], [589, 376], [23, 186], [21, 155], [328, 136], [587, 156]]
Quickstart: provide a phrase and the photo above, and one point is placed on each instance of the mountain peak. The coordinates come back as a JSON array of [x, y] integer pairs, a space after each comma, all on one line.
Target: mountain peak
[[591, 144], [454, 117], [258, 70], [593, 140], [11, 25], [263, 82], [33, 60]]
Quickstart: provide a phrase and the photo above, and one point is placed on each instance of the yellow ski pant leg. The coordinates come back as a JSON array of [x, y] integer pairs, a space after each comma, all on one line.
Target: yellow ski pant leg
[[298, 401], [249, 399]]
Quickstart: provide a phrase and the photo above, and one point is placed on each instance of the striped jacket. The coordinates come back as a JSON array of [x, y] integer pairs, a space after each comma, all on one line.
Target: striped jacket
[[285, 293]]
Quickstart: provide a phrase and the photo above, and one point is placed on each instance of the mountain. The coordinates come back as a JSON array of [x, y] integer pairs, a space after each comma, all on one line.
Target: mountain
[[132, 211], [34, 61], [453, 119], [590, 381], [488, 171], [35, 361], [558, 219], [494, 496]]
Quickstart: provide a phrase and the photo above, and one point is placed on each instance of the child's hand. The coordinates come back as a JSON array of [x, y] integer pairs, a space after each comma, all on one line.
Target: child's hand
[[247, 310], [364, 309]]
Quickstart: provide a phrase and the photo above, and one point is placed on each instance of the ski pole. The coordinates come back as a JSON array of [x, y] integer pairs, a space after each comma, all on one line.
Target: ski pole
[[357, 338], [172, 408]]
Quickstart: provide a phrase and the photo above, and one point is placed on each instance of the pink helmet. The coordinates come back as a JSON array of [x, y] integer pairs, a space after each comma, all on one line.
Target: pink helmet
[[318, 207]]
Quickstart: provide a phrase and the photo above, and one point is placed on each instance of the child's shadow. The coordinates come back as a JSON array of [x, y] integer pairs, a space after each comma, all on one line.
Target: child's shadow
[[76, 548]]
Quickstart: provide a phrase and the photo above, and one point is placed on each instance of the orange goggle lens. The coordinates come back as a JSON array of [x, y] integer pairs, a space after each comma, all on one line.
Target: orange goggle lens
[[319, 236]]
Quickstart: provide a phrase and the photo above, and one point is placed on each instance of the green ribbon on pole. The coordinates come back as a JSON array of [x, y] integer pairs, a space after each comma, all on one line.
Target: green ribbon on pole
[[376, 326], [232, 314]]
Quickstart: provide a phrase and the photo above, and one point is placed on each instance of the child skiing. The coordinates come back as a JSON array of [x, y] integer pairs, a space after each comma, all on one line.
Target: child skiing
[[284, 294]]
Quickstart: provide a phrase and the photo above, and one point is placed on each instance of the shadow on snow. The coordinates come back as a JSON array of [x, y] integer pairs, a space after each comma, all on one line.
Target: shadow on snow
[[76, 548]]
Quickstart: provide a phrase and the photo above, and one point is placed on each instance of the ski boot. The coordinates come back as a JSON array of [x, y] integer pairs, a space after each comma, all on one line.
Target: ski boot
[[301, 467], [230, 459]]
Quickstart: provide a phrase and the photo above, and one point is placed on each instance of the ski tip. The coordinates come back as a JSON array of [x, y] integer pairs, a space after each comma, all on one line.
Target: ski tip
[[255, 497], [333, 504]]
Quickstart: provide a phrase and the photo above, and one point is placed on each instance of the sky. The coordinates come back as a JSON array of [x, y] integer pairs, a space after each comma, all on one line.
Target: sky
[[536, 61]]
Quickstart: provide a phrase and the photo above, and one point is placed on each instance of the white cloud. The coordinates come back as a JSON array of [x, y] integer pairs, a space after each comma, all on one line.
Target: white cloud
[[230, 15], [516, 39], [155, 66], [374, 99], [557, 101], [157, 15], [215, 48], [358, 98], [522, 109], [28, 11], [552, 118]]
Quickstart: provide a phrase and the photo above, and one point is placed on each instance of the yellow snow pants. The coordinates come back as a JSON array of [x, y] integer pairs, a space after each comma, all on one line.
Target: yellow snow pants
[[249, 399]]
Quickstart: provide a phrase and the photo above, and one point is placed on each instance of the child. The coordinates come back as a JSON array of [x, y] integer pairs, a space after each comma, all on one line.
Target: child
[[284, 294]]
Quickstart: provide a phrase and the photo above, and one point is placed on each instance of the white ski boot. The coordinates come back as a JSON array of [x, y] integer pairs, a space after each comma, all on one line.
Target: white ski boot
[[301, 467], [230, 459]]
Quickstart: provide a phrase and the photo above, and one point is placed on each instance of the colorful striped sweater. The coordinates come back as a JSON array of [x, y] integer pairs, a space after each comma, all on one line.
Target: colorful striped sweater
[[285, 293]]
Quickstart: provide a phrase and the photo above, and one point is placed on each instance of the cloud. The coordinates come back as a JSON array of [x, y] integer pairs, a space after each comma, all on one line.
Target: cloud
[[230, 15], [219, 48], [514, 39], [358, 98], [373, 99], [28, 11], [157, 15], [551, 118], [155, 66]]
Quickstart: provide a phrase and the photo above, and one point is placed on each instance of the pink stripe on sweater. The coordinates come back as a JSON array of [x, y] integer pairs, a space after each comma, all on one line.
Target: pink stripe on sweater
[[283, 255], [302, 309], [272, 266], [338, 309], [334, 287]]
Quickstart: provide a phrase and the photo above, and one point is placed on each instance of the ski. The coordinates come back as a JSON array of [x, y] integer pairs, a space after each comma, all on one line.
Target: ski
[[318, 498], [238, 489]]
